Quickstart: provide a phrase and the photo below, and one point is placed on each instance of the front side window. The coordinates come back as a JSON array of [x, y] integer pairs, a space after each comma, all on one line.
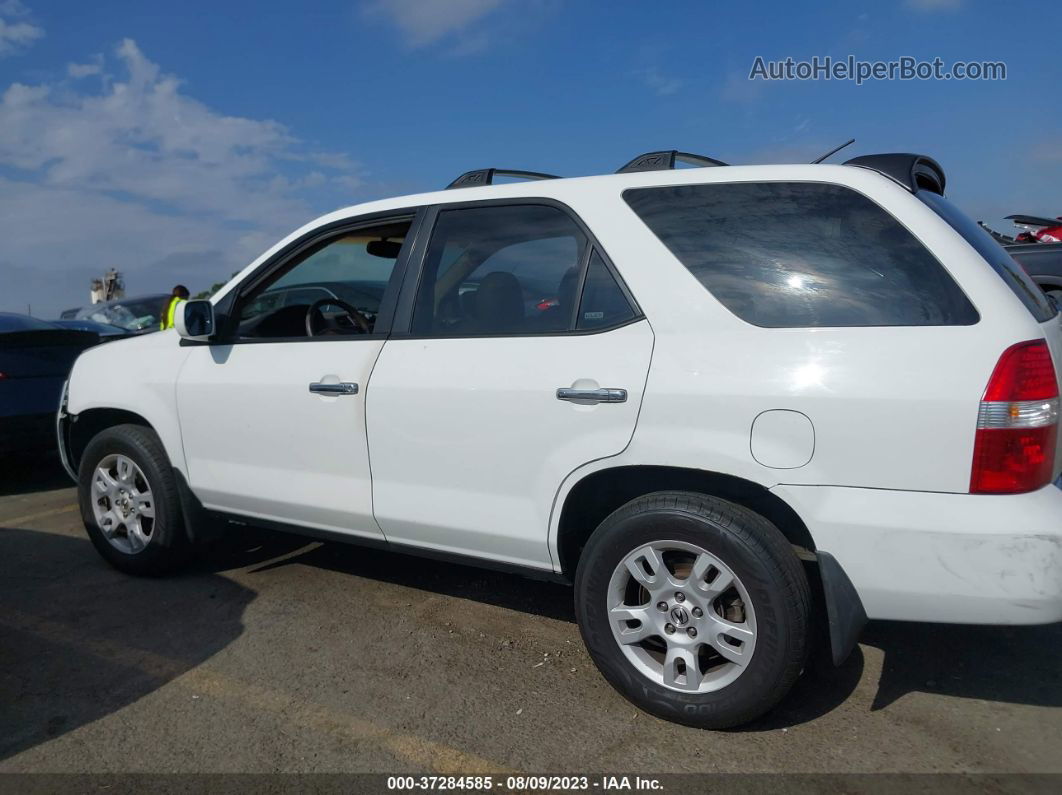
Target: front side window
[[333, 290], [802, 254], [500, 270]]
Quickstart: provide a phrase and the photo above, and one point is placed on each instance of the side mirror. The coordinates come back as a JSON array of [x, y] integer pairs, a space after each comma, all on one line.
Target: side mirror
[[194, 320]]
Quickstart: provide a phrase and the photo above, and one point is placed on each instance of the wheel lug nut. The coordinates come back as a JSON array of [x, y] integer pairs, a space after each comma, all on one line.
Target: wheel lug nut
[[669, 629], [661, 606], [691, 632], [680, 597], [697, 612]]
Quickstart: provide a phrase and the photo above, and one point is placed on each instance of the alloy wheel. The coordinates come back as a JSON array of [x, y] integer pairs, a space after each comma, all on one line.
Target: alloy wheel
[[681, 616], [122, 503]]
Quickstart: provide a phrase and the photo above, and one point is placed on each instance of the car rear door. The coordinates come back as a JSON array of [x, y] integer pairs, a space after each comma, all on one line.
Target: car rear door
[[518, 356]]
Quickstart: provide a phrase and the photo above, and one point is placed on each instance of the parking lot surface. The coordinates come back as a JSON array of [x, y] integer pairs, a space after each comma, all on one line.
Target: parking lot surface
[[275, 653]]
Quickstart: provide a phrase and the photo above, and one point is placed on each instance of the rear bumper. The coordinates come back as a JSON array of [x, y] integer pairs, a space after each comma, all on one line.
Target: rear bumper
[[955, 558]]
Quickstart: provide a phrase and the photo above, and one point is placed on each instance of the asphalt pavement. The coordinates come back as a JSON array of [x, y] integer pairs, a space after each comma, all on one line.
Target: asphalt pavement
[[279, 654]]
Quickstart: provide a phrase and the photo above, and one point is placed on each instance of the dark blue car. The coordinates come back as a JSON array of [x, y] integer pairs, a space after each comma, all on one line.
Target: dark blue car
[[35, 359]]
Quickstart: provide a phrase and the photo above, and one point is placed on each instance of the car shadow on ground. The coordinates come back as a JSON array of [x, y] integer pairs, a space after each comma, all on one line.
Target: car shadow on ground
[[244, 546], [1007, 664], [1015, 665], [29, 473], [78, 641]]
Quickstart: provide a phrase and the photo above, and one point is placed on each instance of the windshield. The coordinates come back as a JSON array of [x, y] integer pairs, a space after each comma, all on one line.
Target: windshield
[[994, 254], [90, 325], [22, 323], [132, 315]]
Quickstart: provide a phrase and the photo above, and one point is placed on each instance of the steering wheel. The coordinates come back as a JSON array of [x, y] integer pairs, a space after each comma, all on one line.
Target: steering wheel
[[359, 320]]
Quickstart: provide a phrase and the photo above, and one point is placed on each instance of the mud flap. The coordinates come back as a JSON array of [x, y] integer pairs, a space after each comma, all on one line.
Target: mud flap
[[844, 608], [200, 525]]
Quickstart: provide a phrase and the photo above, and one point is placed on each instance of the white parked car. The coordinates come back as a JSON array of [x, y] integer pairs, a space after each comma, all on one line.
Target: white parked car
[[730, 404]]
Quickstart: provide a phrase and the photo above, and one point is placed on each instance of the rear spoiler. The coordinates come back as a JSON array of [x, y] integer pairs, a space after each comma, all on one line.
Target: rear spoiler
[[1034, 220], [914, 172]]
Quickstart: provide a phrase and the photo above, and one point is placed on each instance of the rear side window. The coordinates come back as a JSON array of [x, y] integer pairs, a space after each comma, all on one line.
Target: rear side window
[[994, 254], [789, 255], [500, 270], [603, 303]]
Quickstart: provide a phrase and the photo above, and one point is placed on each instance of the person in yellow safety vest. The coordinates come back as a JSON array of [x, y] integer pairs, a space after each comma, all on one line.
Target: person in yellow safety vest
[[179, 294]]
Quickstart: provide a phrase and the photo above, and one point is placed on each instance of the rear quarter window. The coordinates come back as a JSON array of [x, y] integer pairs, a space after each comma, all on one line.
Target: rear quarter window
[[802, 254]]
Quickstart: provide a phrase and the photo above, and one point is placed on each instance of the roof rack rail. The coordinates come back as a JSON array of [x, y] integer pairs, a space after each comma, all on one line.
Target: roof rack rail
[[485, 176], [662, 161], [914, 172]]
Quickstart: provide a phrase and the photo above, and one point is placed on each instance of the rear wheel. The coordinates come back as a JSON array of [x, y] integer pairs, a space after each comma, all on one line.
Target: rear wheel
[[129, 501], [694, 608]]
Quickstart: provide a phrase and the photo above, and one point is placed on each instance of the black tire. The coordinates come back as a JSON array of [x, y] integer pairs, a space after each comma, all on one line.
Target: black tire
[[757, 554], [168, 548]]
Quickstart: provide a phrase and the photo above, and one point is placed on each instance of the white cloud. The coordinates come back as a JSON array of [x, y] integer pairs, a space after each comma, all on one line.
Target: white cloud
[[139, 175], [661, 84], [79, 70], [934, 5], [16, 33], [737, 87], [424, 22]]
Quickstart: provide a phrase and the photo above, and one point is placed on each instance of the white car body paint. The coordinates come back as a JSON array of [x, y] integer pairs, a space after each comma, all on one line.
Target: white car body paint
[[893, 410], [104, 379], [260, 445], [498, 406]]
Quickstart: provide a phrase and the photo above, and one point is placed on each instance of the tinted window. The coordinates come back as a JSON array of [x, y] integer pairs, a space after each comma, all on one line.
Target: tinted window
[[338, 285], [500, 270], [603, 303], [994, 254], [802, 255]]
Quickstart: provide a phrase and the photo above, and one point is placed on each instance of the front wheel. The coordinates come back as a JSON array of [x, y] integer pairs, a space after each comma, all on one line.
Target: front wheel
[[129, 501], [694, 608]]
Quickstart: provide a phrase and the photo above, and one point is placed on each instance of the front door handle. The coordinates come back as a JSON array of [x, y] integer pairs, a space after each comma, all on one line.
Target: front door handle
[[342, 388], [593, 395]]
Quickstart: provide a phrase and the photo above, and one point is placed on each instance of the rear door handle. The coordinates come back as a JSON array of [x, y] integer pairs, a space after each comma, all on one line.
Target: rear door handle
[[593, 395], [342, 388]]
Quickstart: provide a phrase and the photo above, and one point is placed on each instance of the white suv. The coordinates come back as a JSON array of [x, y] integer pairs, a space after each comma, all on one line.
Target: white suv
[[730, 403]]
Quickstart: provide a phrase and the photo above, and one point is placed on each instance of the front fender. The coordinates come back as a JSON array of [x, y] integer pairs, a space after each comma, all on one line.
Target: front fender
[[138, 376]]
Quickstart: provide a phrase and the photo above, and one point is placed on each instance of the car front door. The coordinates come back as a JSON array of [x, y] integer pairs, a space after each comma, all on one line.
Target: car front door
[[523, 358], [273, 417]]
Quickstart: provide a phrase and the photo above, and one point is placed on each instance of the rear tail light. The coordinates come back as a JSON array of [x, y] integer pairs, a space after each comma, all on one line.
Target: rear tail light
[[1017, 423]]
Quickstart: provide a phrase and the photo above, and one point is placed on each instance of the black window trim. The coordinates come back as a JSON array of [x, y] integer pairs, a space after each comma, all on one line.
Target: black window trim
[[228, 308], [932, 200], [401, 328], [871, 199]]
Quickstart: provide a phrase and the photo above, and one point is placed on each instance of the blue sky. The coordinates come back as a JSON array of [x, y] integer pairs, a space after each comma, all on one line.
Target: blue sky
[[176, 141]]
